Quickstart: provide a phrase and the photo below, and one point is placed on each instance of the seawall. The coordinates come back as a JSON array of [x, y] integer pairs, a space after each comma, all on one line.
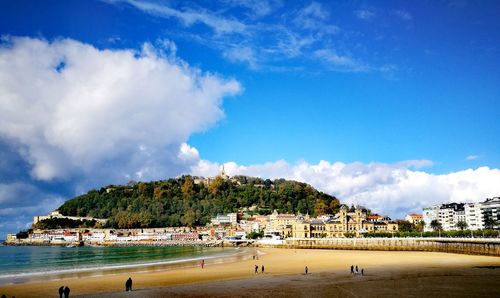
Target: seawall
[[473, 246]]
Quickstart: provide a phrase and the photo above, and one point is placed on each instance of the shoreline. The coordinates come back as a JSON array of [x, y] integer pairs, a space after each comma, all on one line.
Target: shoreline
[[284, 270], [135, 267]]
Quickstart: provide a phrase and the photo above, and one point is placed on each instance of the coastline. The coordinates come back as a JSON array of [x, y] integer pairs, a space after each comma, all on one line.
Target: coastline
[[284, 272], [220, 256]]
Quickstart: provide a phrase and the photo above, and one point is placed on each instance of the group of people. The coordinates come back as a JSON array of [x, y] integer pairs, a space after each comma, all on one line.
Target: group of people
[[257, 269], [65, 291], [354, 270]]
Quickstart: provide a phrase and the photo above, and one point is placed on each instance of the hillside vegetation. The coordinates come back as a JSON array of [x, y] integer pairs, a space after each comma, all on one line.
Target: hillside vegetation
[[181, 202]]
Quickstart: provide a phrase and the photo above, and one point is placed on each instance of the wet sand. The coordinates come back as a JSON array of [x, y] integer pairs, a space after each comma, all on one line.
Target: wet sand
[[387, 274]]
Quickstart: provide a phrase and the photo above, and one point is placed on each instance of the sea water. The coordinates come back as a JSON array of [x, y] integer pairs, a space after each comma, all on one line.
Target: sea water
[[24, 263]]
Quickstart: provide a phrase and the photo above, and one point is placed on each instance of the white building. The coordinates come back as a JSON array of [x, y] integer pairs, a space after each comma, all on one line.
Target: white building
[[430, 214], [229, 219], [473, 216], [482, 215], [490, 210], [450, 214]]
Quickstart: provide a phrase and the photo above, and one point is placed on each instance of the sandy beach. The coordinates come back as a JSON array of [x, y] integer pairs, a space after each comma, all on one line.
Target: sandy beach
[[387, 274]]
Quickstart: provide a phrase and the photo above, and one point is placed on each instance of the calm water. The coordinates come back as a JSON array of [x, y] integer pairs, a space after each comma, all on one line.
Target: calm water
[[22, 263]]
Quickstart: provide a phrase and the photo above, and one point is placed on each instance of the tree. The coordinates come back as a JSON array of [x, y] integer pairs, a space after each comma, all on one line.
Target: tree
[[405, 226], [436, 225], [462, 225], [489, 222], [320, 207]]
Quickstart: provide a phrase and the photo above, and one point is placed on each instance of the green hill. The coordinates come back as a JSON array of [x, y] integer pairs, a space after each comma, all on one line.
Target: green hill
[[182, 202]]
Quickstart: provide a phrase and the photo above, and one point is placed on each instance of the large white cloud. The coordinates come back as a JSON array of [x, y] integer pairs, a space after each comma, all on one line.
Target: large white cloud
[[392, 189], [71, 108]]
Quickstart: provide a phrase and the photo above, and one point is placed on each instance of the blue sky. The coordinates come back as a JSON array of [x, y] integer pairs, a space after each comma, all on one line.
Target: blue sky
[[387, 91]]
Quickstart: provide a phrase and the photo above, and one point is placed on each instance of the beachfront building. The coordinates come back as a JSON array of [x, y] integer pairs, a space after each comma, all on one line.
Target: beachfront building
[[414, 218], [281, 224], [343, 224], [430, 214], [358, 223], [318, 229], [449, 215], [490, 210], [476, 216], [301, 229], [473, 216]]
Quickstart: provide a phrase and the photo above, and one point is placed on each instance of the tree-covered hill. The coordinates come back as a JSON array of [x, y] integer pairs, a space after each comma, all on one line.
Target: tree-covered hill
[[182, 202]]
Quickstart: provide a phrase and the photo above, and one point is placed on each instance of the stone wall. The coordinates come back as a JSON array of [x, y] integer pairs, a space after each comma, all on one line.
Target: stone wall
[[482, 246]]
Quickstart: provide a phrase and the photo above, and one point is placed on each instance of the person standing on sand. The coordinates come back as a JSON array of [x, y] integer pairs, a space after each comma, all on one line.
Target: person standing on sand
[[256, 269], [66, 292], [362, 271], [262, 269], [202, 264], [352, 269], [129, 281], [357, 269], [61, 291], [307, 270]]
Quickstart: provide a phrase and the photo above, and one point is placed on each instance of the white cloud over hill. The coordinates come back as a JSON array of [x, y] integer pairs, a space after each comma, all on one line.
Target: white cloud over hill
[[392, 189]]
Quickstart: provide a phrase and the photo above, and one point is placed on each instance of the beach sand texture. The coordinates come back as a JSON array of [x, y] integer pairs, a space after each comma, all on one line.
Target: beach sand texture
[[387, 274]]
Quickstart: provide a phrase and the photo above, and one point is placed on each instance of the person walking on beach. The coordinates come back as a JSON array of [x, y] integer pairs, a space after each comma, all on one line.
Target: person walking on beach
[[256, 269], [66, 292], [352, 269], [307, 270], [357, 269], [362, 271], [202, 264], [61, 291]]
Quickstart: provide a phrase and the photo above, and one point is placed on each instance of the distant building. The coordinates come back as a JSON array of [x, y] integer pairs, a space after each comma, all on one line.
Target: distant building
[[414, 218], [355, 223], [430, 214], [490, 210], [475, 215], [57, 214], [281, 224], [230, 219]]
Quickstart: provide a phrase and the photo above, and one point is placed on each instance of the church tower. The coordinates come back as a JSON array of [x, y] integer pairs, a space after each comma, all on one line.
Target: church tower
[[223, 174]]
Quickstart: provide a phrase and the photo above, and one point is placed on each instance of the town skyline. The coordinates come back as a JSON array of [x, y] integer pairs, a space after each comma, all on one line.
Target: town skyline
[[392, 105]]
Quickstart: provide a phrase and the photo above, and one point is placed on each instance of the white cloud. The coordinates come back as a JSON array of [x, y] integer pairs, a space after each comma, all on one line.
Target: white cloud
[[472, 157], [312, 16], [72, 109], [259, 8], [404, 15], [242, 54], [365, 14], [393, 189], [219, 24], [340, 62]]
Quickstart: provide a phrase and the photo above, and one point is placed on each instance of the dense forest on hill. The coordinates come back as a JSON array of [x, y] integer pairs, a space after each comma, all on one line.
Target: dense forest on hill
[[182, 202]]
